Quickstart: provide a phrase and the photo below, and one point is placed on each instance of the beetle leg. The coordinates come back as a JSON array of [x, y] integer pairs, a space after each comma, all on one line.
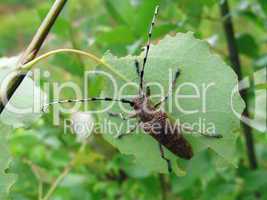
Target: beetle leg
[[177, 74], [128, 132], [166, 159], [148, 91], [121, 116], [137, 67], [118, 115]]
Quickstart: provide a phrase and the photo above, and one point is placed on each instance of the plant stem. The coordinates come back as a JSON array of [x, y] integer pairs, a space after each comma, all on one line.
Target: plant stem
[[164, 186], [35, 170], [35, 45], [42, 32], [65, 172], [93, 57], [235, 60], [40, 190]]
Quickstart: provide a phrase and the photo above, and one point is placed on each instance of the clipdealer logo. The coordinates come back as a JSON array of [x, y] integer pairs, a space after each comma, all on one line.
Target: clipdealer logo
[[257, 114]]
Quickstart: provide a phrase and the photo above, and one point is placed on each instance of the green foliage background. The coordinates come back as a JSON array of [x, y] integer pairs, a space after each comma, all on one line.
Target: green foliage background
[[41, 151]]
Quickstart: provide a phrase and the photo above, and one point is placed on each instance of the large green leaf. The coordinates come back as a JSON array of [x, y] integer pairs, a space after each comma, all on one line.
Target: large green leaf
[[198, 66]]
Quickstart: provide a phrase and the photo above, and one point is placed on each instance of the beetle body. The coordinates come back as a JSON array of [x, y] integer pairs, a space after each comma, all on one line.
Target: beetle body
[[157, 124]]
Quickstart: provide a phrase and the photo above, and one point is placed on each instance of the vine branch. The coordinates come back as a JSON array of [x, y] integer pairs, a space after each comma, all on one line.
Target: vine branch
[[235, 60], [35, 45]]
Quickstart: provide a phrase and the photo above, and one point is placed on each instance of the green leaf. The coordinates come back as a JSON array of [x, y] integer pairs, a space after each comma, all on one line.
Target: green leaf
[[247, 45], [198, 66], [254, 18], [261, 62], [130, 15], [69, 63], [144, 14], [254, 180], [211, 192], [263, 4], [204, 171], [122, 11], [118, 35], [193, 10]]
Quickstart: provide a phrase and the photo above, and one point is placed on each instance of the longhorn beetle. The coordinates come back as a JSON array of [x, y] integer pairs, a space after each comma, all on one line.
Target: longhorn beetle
[[166, 133]]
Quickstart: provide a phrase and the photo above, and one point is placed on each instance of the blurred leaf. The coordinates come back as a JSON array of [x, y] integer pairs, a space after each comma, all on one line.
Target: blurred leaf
[[247, 45], [6, 179], [24, 188], [14, 31], [118, 35], [261, 62], [253, 18], [204, 171], [69, 63], [193, 9], [122, 11], [143, 16], [263, 4], [73, 179], [215, 188], [62, 28], [255, 180], [163, 29]]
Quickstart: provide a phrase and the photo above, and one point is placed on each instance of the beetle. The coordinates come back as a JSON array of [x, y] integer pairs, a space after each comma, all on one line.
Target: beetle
[[152, 120]]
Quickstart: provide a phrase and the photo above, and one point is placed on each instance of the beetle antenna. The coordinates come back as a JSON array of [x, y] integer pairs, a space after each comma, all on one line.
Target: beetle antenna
[[147, 50], [87, 100]]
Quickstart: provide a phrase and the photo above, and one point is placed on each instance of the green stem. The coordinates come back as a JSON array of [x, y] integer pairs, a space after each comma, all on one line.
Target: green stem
[[41, 34], [29, 65], [33, 48], [64, 173], [235, 60]]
